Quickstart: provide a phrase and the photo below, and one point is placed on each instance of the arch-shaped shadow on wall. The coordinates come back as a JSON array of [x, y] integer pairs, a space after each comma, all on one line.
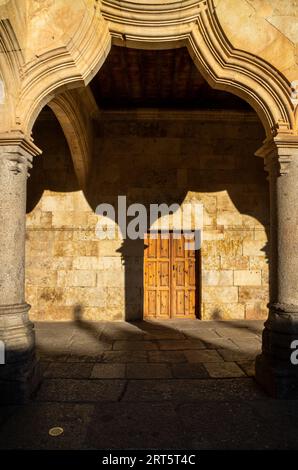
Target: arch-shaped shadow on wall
[[149, 181], [53, 169]]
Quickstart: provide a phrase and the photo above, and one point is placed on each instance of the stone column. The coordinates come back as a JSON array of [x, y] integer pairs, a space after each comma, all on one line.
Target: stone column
[[274, 370], [19, 373]]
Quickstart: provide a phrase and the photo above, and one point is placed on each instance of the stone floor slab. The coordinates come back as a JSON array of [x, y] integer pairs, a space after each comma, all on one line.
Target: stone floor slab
[[68, 370], [189, 371], [135, 426], [179, 345], [184, 390], [216, 343], [236, 355], [125, 356], [108, 371], [70, 390], [171, 357], [248, 367], [148, 371], [236, 425], [134, 345], [223, 369], [201, 334], [202, 356], [236, 332]]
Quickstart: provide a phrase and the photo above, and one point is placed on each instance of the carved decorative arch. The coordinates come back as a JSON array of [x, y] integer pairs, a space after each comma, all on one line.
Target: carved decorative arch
[[11, 61], [195, 24], [64, 68], [74, 110], [159, 24]]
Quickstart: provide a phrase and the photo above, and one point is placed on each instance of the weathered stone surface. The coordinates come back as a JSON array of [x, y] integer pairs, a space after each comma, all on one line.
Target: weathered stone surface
[[138, 425], [68, 370], [166, 356], [224, 311], [179, 345], [134, 345], [124, 356], [148, 371], [237, 355], [248, 367], [202, 356], [189, 371], [189, 390], [243, 425], [218, 278], [220, 295], [247, 278], [29, 427], [70, 390], [108, 371]]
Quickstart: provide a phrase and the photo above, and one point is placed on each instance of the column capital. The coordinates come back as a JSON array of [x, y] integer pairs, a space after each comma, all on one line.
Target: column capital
[[17, 152], [278, 153]]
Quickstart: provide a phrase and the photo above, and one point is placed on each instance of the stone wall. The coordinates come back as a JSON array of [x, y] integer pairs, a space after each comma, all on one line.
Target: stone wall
[[150, 157]]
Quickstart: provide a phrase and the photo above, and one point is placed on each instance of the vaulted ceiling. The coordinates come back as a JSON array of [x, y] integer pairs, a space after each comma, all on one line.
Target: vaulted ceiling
[[133, 78]]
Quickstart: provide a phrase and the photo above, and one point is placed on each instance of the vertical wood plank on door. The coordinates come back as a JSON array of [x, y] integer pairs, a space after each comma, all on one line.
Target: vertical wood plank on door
[[157, 277], [170, 278], [183, 286]]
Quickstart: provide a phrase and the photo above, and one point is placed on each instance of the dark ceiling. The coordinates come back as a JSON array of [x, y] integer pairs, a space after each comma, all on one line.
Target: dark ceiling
[[133, 78]]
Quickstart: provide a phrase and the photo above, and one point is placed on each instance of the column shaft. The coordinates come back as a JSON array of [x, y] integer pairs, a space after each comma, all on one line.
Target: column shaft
[[19, 374], [274, 369]]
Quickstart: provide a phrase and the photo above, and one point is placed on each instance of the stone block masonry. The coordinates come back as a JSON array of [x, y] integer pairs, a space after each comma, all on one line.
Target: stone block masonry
[[67, 265]]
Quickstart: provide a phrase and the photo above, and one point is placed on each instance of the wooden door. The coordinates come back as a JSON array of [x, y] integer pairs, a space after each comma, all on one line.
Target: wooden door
[[170, 278], [157, 274]]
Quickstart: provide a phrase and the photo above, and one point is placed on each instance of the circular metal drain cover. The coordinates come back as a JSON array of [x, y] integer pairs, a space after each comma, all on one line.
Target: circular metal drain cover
[[57, 431]]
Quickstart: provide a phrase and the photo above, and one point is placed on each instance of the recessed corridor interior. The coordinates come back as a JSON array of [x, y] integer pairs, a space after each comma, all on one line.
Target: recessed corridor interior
[[162, 136]]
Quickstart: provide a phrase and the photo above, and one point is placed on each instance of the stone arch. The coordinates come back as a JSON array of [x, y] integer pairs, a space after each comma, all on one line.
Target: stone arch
[[74, 110], [11, 60], [162, 24], [63, 68]]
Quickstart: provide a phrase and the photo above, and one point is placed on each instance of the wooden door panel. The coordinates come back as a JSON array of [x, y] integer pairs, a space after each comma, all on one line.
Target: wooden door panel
[[152, 304], [164, 248], [183, 280], [165, 303], [169, 278], [164, 267], [179, 273], [157, 277]]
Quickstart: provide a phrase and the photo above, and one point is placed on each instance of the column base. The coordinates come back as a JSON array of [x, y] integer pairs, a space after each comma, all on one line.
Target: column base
[[20, 373], [275, 370]]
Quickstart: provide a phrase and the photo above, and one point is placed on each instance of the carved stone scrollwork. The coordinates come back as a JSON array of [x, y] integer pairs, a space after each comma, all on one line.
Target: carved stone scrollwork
[[158, 24], [278, 154], [18, 154]]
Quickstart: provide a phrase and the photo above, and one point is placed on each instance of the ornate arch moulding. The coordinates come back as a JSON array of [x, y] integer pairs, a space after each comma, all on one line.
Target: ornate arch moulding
[[194, 23], [159, 24], [11, 61], [63, 68], [74, 110]]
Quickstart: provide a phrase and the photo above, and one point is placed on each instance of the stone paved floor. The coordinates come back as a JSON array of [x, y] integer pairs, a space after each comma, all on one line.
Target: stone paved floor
[[186, 384]]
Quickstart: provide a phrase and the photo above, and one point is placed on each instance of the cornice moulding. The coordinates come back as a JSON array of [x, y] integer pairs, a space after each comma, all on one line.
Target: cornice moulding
[[181, 115]]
